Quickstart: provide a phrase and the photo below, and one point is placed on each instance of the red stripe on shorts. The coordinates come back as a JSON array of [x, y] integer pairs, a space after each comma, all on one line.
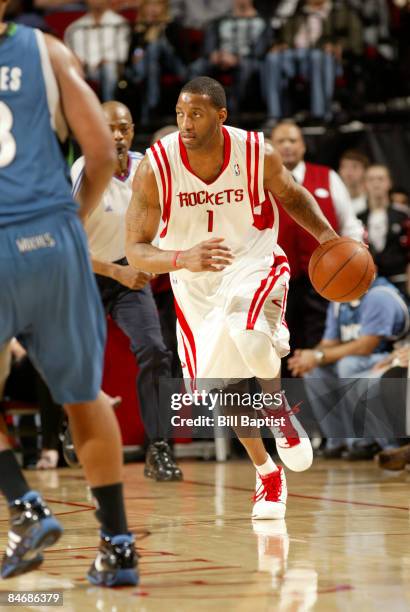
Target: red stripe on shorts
[[187, 332], [262, 292]]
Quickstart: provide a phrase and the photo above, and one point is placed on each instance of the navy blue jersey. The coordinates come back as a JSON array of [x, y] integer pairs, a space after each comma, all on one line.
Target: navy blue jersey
[[34, 178]]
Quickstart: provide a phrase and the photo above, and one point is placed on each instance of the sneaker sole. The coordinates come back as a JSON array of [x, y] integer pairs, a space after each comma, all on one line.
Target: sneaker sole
[[150, 474], [268, 517], [297, 458], [124, 577], [49, 533]]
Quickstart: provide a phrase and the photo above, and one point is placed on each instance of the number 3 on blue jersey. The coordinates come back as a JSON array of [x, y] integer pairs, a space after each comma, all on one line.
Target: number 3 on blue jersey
[[7, 142]]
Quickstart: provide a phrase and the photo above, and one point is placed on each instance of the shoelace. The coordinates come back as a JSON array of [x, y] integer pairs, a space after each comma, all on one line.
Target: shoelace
[[270, 487], [287, 430]]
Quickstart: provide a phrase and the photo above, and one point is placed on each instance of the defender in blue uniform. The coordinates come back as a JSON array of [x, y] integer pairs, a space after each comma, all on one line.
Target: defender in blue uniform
[[48, 296]]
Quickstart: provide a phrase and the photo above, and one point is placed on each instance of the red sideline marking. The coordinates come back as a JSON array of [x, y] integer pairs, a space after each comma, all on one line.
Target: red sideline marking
[[317, 497], [193, 569], [68, 503], [335, 589]]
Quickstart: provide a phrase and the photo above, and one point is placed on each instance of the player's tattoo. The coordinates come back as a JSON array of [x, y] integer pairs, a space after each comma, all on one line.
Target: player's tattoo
[[137, 214], [300, 203]]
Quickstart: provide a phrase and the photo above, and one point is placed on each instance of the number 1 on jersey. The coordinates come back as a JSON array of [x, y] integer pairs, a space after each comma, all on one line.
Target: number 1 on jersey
[[210, 220]]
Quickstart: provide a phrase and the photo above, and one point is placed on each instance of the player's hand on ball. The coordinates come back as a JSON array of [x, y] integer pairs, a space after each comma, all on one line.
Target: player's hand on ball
[[133, 279], [210, 255]]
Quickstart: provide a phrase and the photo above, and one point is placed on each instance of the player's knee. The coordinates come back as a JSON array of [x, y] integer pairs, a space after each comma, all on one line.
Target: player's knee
[[257, 352]]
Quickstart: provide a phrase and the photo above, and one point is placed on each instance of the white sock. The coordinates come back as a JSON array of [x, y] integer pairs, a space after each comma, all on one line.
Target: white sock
[[268, 467]]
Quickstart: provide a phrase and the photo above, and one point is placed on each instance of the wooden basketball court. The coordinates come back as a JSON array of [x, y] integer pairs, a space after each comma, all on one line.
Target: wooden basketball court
[[345, 544]]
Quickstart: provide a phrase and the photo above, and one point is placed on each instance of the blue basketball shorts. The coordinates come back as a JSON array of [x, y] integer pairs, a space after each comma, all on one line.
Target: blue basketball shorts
[[50, 301]]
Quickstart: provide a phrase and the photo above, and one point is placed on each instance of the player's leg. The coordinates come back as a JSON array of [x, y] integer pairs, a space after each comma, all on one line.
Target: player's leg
[[96, 436], [271, 490], [136, 314], [67, 346], [258, 329], [32, 526]]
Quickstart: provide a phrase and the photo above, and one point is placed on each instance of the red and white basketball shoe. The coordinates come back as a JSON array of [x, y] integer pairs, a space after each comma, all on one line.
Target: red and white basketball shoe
[[292, 442], [270, 496]]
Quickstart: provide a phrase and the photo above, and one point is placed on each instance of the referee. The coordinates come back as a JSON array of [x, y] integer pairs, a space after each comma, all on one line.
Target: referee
[[126, 293]]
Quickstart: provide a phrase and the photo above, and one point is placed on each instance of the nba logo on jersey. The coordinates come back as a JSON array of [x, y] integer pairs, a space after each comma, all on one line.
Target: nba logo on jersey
[[236, 169]]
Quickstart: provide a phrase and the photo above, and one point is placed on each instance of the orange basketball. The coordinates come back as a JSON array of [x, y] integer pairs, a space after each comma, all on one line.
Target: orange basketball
[[341, 270]]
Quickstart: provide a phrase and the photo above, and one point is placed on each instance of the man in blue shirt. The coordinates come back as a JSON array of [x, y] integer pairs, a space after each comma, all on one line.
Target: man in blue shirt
[[357, 336]]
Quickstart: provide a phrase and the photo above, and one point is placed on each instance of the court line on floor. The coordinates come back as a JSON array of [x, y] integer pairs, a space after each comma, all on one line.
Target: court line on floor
[[69, 503], [315, 497]]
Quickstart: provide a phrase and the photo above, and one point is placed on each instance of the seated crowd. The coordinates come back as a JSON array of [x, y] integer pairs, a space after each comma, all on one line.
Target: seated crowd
[[281, 56]]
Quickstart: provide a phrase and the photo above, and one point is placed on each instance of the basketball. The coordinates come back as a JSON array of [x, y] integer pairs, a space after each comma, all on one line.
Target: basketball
[[341, 270]]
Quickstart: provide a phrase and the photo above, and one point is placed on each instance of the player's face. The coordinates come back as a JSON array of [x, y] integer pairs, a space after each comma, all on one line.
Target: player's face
[[122, 130], [378, 183], [352, 172], [198, 120], [287, 139]]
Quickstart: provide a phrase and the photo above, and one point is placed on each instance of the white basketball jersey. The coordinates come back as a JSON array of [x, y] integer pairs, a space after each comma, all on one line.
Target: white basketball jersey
[[234, 206], [105, 227]]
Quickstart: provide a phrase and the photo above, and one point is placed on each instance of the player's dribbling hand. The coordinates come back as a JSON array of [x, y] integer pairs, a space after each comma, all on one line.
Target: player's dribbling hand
[[210, 255], [133, 279]]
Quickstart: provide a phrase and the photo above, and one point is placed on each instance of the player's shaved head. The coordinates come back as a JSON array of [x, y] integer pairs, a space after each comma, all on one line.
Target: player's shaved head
[[116, 110]]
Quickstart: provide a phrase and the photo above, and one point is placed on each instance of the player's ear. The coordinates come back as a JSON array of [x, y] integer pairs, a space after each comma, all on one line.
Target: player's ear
[[222, 115]]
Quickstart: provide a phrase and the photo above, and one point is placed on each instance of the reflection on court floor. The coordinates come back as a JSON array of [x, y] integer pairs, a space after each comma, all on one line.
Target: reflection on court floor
[[344, 546]]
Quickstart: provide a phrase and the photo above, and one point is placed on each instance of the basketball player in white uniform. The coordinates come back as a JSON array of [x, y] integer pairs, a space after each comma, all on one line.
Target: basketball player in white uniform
[[126, 292], [209, 190]]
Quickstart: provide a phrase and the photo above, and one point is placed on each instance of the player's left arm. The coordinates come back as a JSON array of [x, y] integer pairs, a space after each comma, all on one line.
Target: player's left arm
[[294, 198]]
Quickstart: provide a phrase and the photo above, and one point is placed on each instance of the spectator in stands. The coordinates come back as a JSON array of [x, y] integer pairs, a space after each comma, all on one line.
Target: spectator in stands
[[23, 12], [306, 309], [100, 40], [396, 367], [280, 11], [199, 13], [234, 44], [386, 224], [153, 51], [311, 45], [399, 195], [375, 19], [358, 335], [352, 169]]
